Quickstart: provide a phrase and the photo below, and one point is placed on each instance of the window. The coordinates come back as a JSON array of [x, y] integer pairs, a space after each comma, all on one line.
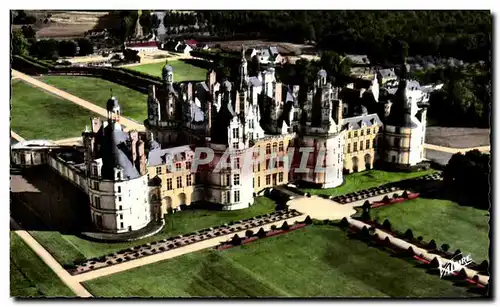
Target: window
[[258, 166], [120, 207], [236, 196], [96, 185], [228, 179], [268, 148], [361, 145], [97, 202], [226, 196], [393, 159], [169, 184], [235, 145], [237, 162], [94, 169], [367, 144], [236, 179], [397, 142], [368, 131], [235, 133], [250, 124], [179, 182], [121, 216], [178, 166], [119, 199], [374, 143], [258, 182], [275, 147], [121, 225], [268, 179], [355, 146], [280, 177], [355, 133], [158, 170], [188, 166], [119, 175], [349, 134], [188, 180], [253, 182], [348, 148], [119, 189], [280, 147], [362, 132]]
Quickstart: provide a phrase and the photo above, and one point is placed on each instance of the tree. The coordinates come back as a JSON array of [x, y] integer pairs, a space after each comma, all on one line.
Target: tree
[[23, 18], [86, 46], [46, 49], [28, 32], [445, 247], [146, 21], [66, 48], [131, 55], [19, 43], [285, 226]]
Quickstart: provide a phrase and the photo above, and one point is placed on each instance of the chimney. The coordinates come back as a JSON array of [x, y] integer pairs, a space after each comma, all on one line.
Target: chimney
[[134, 136], [96, 124], [141, 161], [338, 111], [189, 89], [278, 92], [208, 126]]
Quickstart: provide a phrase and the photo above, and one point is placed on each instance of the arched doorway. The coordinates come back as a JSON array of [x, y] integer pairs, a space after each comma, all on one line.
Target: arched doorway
[[168, 204], [182, 199], [354, 164], [368, 161]]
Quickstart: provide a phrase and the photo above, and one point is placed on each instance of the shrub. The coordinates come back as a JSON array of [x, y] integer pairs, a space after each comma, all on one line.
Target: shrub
[[248, 233], [261, 233], [366, 205], [386, 199], [432, 244], [285, 226], [435, 262], [395, 195], [409, 234], [405, 194], [366, 215], [445, 247], [386, 224], [457, 252], [273, 227], [343, 222], [236, 240], [484, 266], [308, 220]]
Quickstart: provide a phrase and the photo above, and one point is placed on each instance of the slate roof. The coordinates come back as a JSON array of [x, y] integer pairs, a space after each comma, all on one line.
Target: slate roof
[[355, 122], [274, 50], [112, 103], [158, 156]]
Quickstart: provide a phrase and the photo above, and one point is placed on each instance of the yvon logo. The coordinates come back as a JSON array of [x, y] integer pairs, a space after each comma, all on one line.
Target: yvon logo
[[453, 265]]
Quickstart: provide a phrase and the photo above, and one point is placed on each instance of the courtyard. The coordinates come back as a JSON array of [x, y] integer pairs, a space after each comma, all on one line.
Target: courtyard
[[182, 71]]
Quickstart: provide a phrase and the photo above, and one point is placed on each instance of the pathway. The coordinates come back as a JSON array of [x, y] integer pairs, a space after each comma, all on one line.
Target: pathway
[[175, 252], [70, 141], [47, 258], [84, 103], [16, 136], [455, 150]]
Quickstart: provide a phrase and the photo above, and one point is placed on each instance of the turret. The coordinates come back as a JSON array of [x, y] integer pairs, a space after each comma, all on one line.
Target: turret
[[114, 109], [168, 74]]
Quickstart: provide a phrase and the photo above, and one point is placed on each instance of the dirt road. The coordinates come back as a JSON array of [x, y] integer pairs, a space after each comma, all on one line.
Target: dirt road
[[47, 258], [84, 103], [455, 150], [16, 136]]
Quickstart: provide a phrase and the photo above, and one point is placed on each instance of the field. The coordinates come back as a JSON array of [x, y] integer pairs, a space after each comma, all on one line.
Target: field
[[67, 248], [182, 71], [460, 227], [365, 180], [36, 114], [29, 276], [96, 90], [316, 261]]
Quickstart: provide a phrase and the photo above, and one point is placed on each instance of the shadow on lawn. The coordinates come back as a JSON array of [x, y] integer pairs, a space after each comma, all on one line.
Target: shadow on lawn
[[42, 200]]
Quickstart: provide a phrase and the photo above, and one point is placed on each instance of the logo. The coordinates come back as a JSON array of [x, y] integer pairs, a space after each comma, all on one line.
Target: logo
[[453, 265]]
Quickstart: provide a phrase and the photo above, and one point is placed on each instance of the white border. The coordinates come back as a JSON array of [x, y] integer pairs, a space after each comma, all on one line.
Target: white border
[[201, 4]]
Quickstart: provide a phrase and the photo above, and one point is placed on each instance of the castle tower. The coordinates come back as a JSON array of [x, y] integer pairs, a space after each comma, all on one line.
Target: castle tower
[[113, 108], [243, 70], [138, 32], [168, 75]]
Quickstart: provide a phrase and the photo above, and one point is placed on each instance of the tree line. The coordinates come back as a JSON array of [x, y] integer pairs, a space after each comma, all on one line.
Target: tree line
[[462, 34]]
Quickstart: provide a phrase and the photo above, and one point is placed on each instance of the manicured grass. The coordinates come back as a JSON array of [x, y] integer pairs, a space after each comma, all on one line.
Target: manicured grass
[[365, 180], [36, 114], [98, 91], [68, 248], [461, 227], [182, 71], [29, 276], [315, 261]]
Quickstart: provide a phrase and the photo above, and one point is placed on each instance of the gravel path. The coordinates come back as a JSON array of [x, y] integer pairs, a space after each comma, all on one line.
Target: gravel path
[[458, 137]]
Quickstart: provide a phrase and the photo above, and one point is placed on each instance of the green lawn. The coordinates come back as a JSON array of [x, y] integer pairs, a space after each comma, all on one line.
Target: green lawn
[[365, 180], [96, 90], [461, 227], [29, 276], [68, 248], [36, 114], [312, 262], [182, 71]]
